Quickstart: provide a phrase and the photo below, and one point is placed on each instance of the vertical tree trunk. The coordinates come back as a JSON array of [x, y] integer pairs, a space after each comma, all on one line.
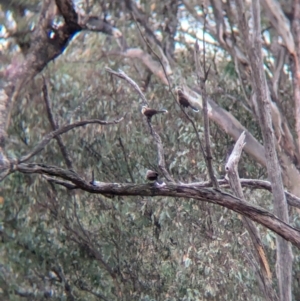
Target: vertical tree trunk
[[284, 251]]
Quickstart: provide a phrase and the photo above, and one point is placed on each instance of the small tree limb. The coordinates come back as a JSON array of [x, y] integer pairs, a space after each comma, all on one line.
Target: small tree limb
[[123, 75], [233, 176], [210, 195], [41, 145], [54, 126], [202, 74]]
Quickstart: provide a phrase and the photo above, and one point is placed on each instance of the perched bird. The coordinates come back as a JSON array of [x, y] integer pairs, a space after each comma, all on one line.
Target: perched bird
[[183, 101], [153, 176], [148, 112]]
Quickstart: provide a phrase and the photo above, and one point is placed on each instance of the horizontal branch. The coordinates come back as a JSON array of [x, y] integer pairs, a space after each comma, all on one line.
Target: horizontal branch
[[211, 195], [254, 184], [292, 200]]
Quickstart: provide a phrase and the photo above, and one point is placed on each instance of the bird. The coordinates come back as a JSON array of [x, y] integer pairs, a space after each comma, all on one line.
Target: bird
[[148, 112], [183, 101], [153, 177]]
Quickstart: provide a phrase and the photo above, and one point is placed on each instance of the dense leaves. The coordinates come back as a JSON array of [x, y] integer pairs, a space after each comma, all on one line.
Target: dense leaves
[[70, 245]]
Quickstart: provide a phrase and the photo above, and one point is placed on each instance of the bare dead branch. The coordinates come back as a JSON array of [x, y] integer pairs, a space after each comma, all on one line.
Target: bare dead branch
[[167, 71], [66, 184], [231, 166], [202, 77], [211, 195], [160, 149], [292, 200], [40, 146], [123, 75], [232, 173]]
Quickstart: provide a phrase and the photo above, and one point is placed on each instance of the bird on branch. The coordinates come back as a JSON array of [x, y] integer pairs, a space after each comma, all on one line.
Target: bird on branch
[[148, 112], [153, 176], [184, 101]]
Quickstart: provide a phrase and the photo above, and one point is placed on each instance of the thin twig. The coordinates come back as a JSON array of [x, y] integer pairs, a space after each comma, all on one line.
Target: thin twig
[[161, 154], [202, 78], [41, 145], [126, 160], [171, 91], [97, 294], [237, 69], [67, 185], [54, 126], [157, 56], [68, 289], [123, 75], [84, 232], [160, 149]]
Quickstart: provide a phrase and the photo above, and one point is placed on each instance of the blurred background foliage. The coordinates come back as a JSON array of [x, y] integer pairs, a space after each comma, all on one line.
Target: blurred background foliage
[[70, 245]]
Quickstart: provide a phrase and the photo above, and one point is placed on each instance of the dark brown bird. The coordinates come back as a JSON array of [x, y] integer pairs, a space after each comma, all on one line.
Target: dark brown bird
[[153, 176], [183, 101], [148, 112]]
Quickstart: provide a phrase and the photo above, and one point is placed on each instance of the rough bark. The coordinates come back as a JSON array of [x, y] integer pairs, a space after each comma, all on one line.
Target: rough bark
[[296, 67], [233, 43], [254, 46], [72, 180]]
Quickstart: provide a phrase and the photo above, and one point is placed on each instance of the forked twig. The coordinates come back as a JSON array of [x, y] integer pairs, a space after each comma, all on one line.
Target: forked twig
[[156, 137]]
